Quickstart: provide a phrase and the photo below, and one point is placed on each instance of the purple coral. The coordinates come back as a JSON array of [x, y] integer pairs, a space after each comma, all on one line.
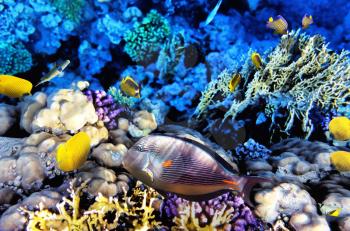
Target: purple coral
[[106, 109], [242, 216]]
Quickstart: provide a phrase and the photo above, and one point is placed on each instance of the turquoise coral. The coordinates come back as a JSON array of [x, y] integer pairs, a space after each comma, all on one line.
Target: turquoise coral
[[14, 58], [146, 37], [70, 9]]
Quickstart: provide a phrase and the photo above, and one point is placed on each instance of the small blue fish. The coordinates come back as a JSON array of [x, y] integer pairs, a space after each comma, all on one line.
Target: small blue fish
[[213, 13]]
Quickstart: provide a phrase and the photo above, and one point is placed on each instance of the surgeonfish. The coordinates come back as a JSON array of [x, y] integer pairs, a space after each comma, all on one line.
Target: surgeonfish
[[236, 79], [54, 72], [184, 165], [73, 154], [14, 87], [256, 59], [130, 87], [307, 21], [328, 210], [278, 24], [213, 13]]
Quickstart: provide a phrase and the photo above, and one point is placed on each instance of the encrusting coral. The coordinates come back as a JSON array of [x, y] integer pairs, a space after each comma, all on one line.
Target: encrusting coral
[[299, 74]]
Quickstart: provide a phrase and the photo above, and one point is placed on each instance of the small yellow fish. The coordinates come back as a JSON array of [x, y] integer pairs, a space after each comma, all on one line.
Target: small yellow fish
[[236, 79], [54, 72], [328, 210], [307, 21], [256, 59], [130, 87], [14, 87], [278, 24], [341, 160], [339, 127], [72, 154]]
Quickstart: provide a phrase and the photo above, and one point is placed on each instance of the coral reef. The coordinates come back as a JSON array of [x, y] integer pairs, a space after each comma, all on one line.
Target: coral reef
[[227, 212], [298, 63], [7, 117], [146, 37]]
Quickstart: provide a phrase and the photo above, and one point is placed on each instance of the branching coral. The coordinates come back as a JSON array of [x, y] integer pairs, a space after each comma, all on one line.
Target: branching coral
[[146, 37], [226, 212], [136, 209], [299, 74]]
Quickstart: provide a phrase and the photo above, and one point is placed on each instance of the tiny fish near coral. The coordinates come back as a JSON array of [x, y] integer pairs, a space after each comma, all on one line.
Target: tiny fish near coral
[[278, 24], [307, 21], [130, 87]]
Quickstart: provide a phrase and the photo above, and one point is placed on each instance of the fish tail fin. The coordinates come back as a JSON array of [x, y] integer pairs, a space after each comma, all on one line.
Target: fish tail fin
[[247, 185]]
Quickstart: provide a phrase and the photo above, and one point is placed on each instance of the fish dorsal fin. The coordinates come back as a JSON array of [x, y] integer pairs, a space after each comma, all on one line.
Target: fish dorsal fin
[[204, 147], [194, 137]]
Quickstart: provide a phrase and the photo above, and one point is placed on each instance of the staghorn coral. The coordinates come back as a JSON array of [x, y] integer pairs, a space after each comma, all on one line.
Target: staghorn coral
[[299, 74], [137, 208]]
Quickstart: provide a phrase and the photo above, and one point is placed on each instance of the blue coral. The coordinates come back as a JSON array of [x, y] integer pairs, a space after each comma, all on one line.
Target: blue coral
[[252, 150], [14, 58], [146, 37]]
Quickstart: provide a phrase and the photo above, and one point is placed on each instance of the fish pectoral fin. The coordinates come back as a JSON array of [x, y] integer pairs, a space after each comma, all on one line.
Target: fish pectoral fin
[[149, 173]]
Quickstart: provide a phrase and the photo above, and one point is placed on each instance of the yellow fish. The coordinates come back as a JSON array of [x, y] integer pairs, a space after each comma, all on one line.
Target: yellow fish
[[339, 127], [307, 21], [236, 79], [256, 59], [14, 87], [72, 154], [332, 211], [278, 24], [130, 87], [341, 160]]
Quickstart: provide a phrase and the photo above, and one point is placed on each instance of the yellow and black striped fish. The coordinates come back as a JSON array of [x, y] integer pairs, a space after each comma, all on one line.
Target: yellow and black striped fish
[[130, 87], [278, 24], [307, 21], [236, 79]]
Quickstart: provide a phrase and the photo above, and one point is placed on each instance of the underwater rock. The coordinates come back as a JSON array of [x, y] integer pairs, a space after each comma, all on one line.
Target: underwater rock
[[66, 110], [344, 224], [336, 193], [29, 107], [308, 220], [10, 146], [296, 160], [285, 198], [97, 133], [109, 154], [144, 123], [120, 136], [12, 218], [7, 117], [102, 180]]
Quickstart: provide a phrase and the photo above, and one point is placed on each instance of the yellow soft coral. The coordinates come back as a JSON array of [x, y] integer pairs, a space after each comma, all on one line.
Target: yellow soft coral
[[340, 128], [341, 160]]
